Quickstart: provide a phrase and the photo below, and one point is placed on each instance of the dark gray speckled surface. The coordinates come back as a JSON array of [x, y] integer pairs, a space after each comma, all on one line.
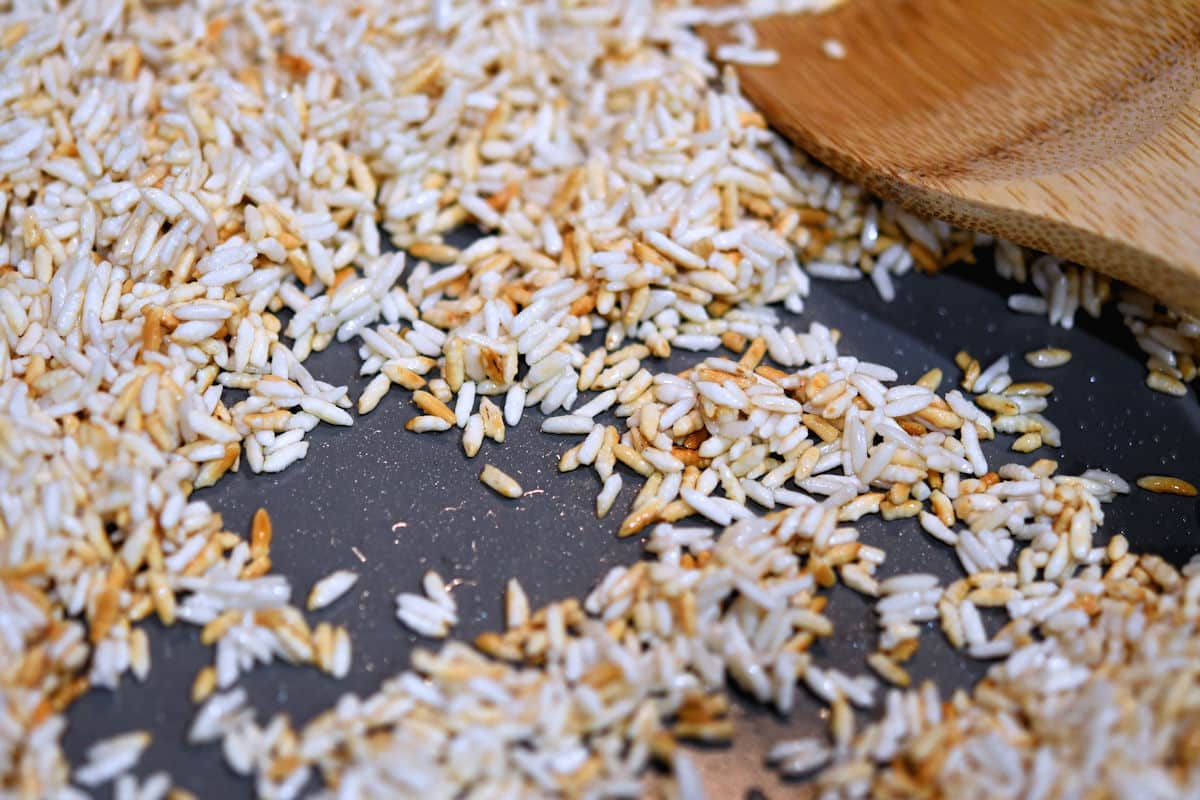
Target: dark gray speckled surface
[[390, 504]]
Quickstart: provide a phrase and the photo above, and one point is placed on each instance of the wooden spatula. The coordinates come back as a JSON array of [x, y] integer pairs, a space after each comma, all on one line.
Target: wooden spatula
[[1072, 126]]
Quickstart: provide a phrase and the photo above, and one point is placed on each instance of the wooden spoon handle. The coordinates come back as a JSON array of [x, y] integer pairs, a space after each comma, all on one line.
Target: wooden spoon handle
[[1071, 126]]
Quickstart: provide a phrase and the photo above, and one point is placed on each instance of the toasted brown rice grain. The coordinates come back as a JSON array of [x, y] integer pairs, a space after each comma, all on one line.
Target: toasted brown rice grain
[[1166, 484]]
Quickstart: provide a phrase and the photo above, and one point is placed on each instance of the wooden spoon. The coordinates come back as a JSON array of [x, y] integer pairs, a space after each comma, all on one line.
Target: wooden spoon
[[1071, 126]]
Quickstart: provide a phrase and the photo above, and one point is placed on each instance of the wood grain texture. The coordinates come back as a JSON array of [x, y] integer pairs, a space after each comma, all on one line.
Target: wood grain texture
[[1071, 126]]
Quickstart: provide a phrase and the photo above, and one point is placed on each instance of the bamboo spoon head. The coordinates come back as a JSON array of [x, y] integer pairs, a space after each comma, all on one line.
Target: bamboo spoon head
[[1072, 126]]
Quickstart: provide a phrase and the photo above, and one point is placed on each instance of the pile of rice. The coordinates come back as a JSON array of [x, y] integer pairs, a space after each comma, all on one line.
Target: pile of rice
[[191, 198]]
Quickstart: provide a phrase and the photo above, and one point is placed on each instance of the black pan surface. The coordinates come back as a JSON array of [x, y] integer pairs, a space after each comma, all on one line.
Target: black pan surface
[[391, 504]]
